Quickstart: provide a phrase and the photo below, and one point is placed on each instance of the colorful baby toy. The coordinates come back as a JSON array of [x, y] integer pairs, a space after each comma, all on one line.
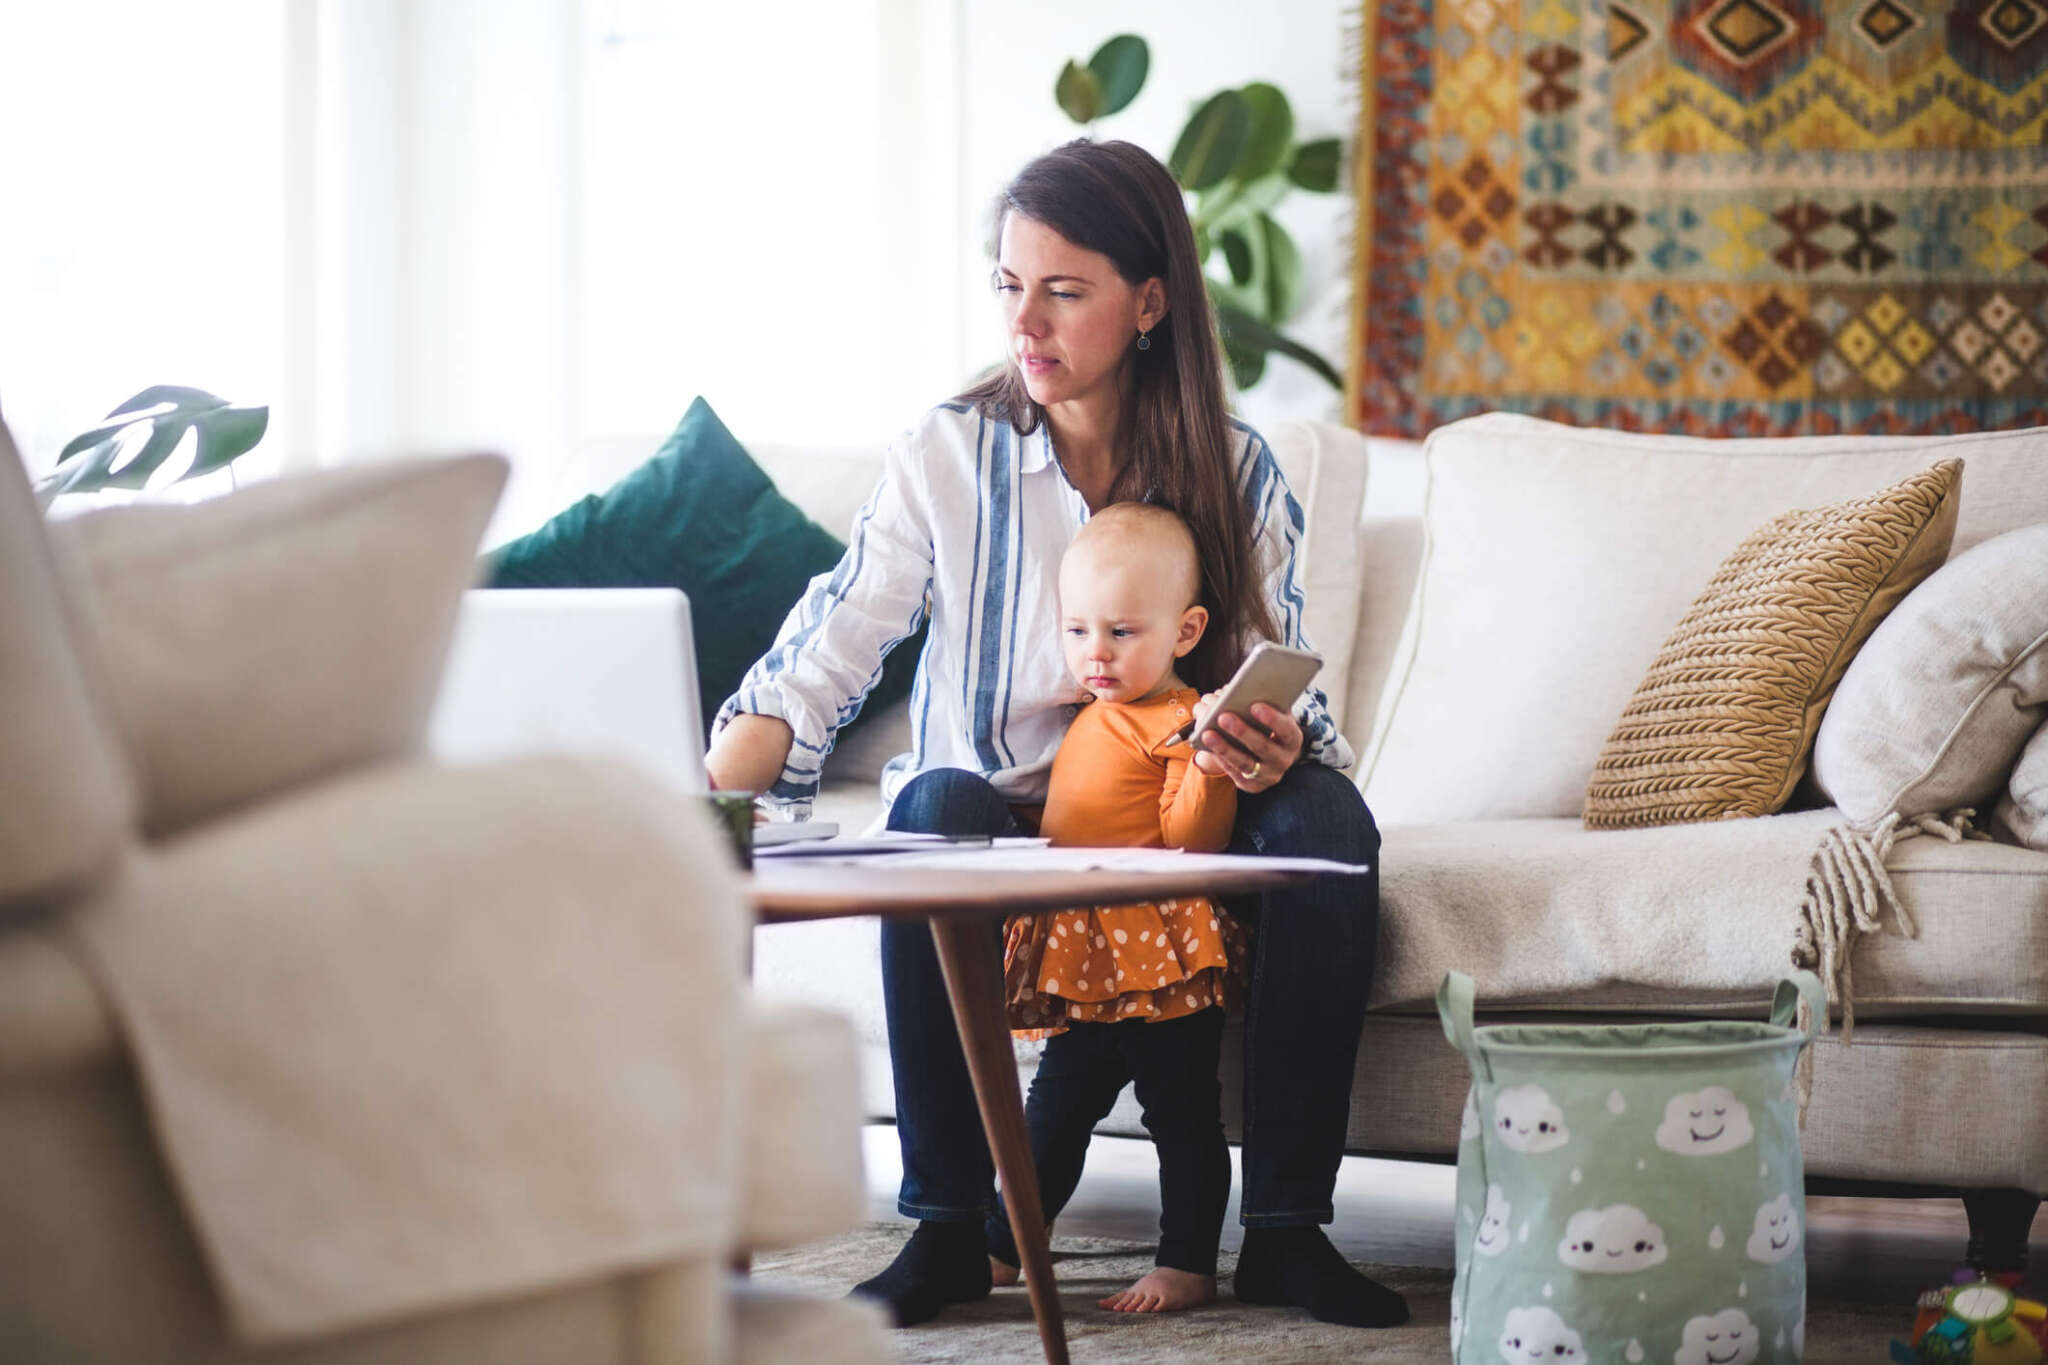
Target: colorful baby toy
[[1981, 1322]]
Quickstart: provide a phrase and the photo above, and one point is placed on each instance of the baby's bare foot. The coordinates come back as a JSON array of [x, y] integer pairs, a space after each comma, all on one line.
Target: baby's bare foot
[[1001, 1274], [1165, 1290]]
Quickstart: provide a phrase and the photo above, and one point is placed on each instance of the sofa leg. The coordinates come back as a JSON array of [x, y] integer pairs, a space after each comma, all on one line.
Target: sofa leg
[[2000, 1221]]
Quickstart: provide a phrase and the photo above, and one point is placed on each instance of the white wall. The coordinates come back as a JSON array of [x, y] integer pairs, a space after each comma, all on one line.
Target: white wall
[[1012, 53]]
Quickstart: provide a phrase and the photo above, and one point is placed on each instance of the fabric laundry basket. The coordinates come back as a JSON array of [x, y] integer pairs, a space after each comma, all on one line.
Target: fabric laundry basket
[[1631, 1193]]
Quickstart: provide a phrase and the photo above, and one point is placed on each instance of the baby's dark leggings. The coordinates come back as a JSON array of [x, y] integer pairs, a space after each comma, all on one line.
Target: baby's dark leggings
[[1173, 1064]]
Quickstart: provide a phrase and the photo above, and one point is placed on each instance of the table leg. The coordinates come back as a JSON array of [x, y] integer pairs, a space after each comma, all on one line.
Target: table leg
[[974, 982]]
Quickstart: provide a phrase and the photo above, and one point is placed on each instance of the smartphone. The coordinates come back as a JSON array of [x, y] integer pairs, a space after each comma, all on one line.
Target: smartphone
[[1273, 674]]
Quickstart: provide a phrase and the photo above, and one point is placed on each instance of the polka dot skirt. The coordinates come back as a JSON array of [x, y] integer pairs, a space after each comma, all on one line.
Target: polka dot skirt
[[1113, 962]]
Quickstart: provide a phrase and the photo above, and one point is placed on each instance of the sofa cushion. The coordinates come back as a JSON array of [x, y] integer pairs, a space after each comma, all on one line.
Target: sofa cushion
[[422, 1035], [1722, 724], [1556, 560], [1933, 713], [68, 799], [1549, 915], [699, 515], [280, 634]]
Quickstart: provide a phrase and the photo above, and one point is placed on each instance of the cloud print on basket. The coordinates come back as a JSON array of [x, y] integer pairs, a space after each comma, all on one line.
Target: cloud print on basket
[[1615, 1240], [1726, 1338], [1777, 1231], [1533, 1334], [1527, 1121], [1493, 1236], [1468, 1122], [1705, 1123]]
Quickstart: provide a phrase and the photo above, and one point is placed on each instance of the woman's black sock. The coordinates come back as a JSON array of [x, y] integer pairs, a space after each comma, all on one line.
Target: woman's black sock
[[942, 1263], [1297, 1267]]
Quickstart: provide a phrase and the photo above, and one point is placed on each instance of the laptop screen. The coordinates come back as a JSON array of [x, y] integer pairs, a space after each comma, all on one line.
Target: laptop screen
[[608, 672]]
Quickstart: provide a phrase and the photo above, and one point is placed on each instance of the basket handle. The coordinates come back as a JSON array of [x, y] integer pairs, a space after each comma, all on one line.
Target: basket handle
[[1454, 1006], [1785, 1003]]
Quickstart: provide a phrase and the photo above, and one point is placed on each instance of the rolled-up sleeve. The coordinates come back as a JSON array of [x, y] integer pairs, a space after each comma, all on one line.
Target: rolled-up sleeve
[[829, 651], [1279, 529]]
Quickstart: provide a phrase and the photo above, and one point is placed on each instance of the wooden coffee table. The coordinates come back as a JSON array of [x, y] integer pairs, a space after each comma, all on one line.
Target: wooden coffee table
[[957, 904]]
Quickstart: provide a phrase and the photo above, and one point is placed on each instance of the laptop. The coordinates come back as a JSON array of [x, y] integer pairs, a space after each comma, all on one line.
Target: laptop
[[606, 672]]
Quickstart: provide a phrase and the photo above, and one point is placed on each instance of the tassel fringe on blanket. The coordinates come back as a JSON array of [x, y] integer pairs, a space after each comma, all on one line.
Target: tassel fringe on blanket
[[1849, 894]]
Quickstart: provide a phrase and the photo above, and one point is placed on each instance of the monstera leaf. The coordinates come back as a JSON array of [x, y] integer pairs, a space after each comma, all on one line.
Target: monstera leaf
[[224, 434]]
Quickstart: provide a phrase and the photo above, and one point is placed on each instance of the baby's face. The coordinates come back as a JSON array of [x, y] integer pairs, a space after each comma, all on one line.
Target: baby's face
[[1119, 625]]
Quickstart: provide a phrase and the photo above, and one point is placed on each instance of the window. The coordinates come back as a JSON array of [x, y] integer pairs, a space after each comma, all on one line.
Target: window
[[143, 238]]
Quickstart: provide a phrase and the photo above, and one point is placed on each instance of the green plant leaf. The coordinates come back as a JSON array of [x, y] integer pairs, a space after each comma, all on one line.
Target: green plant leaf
[[1247, 362], [1078, 92], [93, 438], [1236, 203], [226, 434], [1120, 66], [1252, 332], [1237, 254], [1269, 132], [1280, 277], [162, 441], [82, 474], [176, 395], [1316, 164], [1209, 145]]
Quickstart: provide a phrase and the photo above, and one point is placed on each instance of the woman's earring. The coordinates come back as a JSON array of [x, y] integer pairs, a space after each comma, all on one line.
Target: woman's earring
[[1144, 342]]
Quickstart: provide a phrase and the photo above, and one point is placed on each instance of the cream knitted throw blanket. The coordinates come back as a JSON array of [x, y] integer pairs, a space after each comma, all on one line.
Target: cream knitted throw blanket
[[1541, 911]]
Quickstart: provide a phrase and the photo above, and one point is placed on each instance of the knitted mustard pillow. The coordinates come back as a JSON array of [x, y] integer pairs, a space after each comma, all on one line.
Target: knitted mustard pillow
[[1724, 721]]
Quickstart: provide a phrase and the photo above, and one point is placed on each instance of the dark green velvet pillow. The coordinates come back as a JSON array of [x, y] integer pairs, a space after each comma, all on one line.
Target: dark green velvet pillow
[[700, 516]]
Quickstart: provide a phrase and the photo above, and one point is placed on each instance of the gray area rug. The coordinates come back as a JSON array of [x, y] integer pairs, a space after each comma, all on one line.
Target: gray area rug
[[1000, 1328]]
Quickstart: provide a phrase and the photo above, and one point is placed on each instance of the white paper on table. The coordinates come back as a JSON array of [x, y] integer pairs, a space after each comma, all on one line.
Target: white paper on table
[[1003, 858]]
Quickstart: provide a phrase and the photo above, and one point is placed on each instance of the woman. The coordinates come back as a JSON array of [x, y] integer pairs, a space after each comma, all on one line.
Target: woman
[[1112, 391]]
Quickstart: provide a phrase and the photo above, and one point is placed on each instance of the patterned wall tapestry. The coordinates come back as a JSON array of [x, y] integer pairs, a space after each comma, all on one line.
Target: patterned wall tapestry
[[1712, 216]]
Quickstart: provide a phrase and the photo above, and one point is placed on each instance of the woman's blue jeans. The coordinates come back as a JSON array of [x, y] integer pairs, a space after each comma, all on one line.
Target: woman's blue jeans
[[1312, 962]]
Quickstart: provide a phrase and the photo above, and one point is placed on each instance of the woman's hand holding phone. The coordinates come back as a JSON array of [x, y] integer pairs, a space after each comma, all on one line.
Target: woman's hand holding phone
[[1256, 753]]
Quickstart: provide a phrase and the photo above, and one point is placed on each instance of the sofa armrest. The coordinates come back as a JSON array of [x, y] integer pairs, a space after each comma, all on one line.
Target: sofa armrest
[[801, 1144], [1389, 564]]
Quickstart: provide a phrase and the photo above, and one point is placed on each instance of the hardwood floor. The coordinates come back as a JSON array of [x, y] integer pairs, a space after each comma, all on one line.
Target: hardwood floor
[[1399, 1213]]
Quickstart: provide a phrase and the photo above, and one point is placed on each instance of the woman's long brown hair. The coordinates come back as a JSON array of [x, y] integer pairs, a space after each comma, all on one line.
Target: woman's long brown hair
[[1174, 434]]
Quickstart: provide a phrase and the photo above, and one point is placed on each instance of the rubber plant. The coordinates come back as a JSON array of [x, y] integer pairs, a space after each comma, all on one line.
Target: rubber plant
[[1237, 159], [94, 460]]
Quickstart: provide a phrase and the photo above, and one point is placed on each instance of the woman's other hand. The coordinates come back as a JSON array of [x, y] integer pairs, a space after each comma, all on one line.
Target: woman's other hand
[[1255, 756], [748, 754]]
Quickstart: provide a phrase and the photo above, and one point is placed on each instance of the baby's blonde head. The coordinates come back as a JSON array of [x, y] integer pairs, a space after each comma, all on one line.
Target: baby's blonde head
[[1142, 534]]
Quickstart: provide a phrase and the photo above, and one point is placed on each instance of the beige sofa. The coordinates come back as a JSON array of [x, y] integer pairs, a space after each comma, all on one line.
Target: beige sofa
[[314, 1050], [1487, 608]]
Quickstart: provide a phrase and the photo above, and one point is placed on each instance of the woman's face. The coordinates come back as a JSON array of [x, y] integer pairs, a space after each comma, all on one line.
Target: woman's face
[[1071, 318]]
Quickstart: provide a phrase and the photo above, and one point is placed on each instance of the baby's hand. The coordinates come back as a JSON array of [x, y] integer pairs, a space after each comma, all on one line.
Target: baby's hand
[[1204, 704]]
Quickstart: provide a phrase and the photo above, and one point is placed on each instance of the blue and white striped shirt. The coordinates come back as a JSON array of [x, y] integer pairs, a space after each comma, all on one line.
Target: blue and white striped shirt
[[968, 525]]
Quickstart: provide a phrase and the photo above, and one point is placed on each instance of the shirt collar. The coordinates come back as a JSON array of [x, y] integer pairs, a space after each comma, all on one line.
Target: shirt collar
[[1035, 451]]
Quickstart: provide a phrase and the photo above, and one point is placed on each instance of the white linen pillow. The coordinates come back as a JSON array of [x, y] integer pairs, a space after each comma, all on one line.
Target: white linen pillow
[[2023, 810], [1555, 563], [1937, 705], [280, 634]]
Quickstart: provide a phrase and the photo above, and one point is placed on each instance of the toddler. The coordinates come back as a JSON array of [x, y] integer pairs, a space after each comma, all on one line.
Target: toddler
[[1131, 993]]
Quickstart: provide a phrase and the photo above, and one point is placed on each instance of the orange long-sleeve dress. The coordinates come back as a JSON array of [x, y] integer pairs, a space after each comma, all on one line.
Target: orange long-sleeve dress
[[1120, 780]]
